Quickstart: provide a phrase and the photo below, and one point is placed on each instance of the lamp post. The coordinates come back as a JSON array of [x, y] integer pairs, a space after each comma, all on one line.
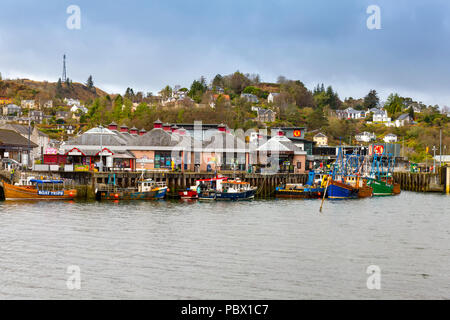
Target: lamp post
[[101, 148], [434, 159]]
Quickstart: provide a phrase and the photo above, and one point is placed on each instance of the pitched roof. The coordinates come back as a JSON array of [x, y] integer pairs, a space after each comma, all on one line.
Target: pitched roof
[[12, 138], [280, 144]]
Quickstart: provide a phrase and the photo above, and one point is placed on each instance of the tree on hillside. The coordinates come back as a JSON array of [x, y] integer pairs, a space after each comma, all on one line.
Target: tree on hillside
[[59, 88], [394, 104], [90, 83], [198, 88], [371, 100], [217, 81], [237, 82], [317, 119], [298, 93], [166, 92], [129, 94], [411, 113]]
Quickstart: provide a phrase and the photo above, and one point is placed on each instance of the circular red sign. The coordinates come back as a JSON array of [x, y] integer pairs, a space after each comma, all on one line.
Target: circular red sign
[[297, 133]]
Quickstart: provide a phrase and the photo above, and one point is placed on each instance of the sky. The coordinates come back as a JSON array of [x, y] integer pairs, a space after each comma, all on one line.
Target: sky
[[147, 45]]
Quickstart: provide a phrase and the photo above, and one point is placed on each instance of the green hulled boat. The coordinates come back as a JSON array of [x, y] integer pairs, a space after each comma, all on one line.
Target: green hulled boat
[[380, 187]]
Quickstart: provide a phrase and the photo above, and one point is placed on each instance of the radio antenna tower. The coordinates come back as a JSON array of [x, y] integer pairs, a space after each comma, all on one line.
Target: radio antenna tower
[[64, 74]]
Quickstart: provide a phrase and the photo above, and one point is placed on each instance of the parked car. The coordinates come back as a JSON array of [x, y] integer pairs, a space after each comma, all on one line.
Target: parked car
[[8, 163]]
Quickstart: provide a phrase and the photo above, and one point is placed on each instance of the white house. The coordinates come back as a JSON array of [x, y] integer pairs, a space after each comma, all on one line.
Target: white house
[[28, 104], [72, 102], [390, 138], [350, 113], [75, 109], [365, 137], [403, 119], [272, 96], [380, 115]]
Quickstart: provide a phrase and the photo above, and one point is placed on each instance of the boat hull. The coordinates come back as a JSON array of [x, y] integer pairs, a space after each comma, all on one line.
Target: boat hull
[[131, 195], [188, 194], [31, 193], [365, 192], [227, 196], [339, 190], [306, 193], [381, 188]]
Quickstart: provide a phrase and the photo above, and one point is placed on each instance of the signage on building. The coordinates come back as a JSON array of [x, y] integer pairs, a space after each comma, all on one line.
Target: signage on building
[[51, 151], [297, 133], [378, 149]]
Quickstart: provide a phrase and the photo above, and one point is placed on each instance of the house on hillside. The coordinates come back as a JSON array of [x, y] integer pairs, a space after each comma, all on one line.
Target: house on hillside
[[47, 104], [403, 119], [272, 96], [380, 116], [390, 138], [266, 115], [365, 137], [28, 104], [250, 97], [37, 116], [72, 102], [12, 110], [320, 139], [350, 113]]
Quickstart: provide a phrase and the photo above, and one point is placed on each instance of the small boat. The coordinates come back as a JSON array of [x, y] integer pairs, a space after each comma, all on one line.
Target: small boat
[[341, 190], [146, 189], [222, 188], [313, 189], [188, 194], [39, 189]]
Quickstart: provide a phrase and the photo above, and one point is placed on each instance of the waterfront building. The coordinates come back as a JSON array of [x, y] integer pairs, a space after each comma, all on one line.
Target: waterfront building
[[14, 146], [39, 138], [320, 139], [280, 154]]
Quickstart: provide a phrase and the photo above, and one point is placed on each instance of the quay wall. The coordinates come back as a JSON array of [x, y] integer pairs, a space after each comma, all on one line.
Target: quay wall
[[86, 182], [423, 182]]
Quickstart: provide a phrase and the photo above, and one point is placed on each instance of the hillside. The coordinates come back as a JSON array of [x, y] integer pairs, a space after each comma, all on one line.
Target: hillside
[[43, 90]]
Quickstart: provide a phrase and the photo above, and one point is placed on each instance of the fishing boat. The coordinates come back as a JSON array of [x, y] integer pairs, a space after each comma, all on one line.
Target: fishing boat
[[222, 188], [344, 182], [380, 176], [341, 190], [188, 194], [313, 189], [39, 189], [146, 189]]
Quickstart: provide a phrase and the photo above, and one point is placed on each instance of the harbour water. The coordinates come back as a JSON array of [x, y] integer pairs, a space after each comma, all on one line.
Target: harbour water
[[263, 249]]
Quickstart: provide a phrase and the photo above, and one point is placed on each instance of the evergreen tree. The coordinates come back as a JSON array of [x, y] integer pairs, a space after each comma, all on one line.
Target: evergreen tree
[[371, 100], [90, 82]]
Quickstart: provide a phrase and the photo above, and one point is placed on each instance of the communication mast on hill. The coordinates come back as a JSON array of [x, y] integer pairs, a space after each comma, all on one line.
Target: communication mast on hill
[[64, 74]]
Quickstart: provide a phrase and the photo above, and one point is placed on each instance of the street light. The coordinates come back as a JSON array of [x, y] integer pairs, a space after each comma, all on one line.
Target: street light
[[434, 159], [101, 148]]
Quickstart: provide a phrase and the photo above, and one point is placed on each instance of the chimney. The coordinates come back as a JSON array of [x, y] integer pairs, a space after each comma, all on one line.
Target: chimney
[[112, 126], [174, 128], [222, 128], [166, 126], [142, 132], [157, 124], [123, 128], [134, 131]]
